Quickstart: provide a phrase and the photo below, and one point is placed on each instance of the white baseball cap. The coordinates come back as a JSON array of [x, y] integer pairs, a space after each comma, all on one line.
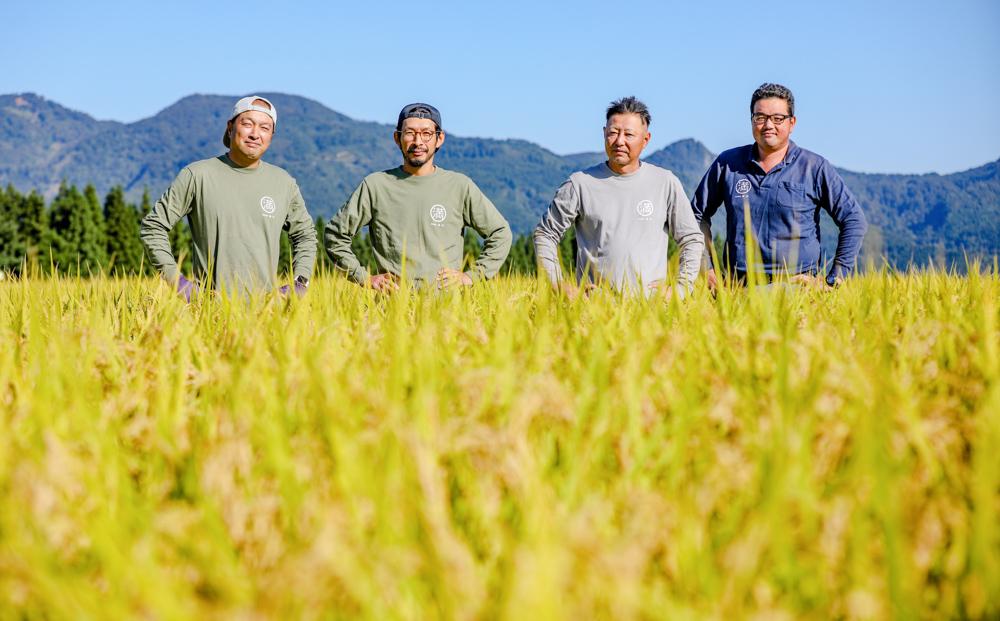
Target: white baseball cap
[[246, 105]]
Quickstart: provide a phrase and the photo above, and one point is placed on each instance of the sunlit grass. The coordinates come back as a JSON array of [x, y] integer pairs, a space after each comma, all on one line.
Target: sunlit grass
[[501, 453]]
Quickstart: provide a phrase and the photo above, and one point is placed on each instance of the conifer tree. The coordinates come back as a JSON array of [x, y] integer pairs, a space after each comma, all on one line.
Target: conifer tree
[[33, 223], [93, 243], [145, 206], [322, 259], [77, 225], [521, 259], [77, 243], [124, 248], [12, 246]]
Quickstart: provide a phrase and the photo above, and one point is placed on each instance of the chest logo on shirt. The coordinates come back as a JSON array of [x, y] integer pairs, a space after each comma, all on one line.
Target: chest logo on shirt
[[267, 205], [438, 214], [743, 187], [644, 209]]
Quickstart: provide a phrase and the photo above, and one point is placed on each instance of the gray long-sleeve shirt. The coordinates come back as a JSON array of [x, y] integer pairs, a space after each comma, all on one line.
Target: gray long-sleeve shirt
[[416, 225], [623, 224], [236, 217]]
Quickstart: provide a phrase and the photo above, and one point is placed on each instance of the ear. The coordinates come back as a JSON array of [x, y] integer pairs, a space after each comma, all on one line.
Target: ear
[[395, 138], [791, 125], [440, 140]]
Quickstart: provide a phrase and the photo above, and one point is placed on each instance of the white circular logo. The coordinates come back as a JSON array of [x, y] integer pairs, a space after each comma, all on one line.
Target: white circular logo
[[267, 204], [438, 213], [743, 187], [644, 208]]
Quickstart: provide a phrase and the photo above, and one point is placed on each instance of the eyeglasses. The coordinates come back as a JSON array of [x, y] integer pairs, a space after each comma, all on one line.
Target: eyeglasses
[[777, 119], [426, 135], [612, 135]]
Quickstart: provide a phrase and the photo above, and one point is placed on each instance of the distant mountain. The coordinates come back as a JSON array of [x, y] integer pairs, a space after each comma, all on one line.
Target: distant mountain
[[921, 218], [915, 218]]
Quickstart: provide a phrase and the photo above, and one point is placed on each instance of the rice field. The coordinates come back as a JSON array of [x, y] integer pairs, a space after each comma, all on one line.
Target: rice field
[[501, 452]]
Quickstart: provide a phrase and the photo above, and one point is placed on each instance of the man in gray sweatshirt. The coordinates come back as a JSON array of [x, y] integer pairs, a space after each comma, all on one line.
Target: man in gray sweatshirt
[[237, 205], [622, 211]]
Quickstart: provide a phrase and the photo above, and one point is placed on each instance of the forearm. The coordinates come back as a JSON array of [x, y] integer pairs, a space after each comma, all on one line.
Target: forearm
[[340, 232], [547, 255], [155, 236], [852, 233], [154, 231], [707, 245], [691, 251], [558, 219], [338, 247], [304, 246]]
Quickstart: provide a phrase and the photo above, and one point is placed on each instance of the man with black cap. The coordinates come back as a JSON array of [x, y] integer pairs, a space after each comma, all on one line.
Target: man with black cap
[[417, 214], [236, 205]]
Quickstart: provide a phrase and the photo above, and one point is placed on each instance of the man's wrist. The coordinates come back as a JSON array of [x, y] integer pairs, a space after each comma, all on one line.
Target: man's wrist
[[474, 275]]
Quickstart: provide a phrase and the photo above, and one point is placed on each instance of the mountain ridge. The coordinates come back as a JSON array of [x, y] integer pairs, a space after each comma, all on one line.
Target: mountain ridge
[[914, 218]]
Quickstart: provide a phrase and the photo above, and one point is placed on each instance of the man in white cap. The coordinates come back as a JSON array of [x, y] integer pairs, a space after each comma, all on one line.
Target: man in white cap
[[236, 205]]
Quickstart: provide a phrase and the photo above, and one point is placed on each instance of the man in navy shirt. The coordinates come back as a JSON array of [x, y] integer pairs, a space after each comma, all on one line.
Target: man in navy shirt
[[783, 186]]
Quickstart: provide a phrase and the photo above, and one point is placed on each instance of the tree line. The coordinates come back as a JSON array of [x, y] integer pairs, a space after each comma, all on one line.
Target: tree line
[[79, 234]]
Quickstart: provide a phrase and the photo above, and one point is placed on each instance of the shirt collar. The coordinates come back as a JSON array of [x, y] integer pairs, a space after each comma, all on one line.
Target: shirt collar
[[790, 155]]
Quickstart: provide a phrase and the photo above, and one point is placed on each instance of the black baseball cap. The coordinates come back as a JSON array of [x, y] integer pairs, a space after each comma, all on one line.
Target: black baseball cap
[[418, 111]]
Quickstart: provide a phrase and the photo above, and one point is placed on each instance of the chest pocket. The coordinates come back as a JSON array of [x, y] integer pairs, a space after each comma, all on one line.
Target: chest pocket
[[796, 212], [793, 196]]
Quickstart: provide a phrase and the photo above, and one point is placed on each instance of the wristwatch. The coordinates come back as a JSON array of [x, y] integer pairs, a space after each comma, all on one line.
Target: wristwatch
[[302, 280]]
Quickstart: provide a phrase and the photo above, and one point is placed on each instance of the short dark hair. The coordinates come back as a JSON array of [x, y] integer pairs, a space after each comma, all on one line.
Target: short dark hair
[[629, 105], [770, 90]]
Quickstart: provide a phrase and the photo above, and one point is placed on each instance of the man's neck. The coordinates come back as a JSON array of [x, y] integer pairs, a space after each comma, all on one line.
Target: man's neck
[[242, 162], [627, 169], [423, 170], [770, 159]]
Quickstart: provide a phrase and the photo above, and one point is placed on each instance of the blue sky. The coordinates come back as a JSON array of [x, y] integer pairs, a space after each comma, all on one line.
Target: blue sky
[[880, 86]]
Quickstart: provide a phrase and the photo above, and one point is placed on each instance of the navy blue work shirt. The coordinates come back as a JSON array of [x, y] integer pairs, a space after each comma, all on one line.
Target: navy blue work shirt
[[784, 210]]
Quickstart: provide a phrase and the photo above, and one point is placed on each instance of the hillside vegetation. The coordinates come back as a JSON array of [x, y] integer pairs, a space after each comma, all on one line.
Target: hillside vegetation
[[915, 219]]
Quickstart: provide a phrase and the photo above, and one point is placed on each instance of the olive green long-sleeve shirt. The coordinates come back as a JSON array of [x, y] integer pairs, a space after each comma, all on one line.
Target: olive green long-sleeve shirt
[[416, 225], [236, 217]]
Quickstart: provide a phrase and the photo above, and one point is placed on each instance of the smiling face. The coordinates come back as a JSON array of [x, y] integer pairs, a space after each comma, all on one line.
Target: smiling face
[[625, 136], [771, 137], [418, 141], [249, 137]]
